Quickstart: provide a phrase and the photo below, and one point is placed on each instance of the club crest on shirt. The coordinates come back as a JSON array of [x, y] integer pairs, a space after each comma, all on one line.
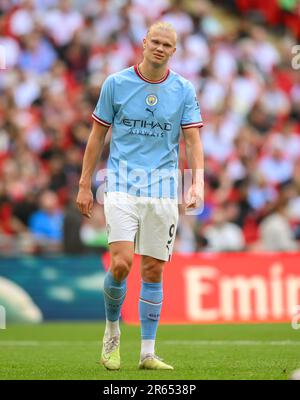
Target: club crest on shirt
[[151, 100]]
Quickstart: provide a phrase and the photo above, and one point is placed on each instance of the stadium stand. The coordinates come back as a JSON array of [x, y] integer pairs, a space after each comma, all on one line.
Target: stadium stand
[[58, 54]]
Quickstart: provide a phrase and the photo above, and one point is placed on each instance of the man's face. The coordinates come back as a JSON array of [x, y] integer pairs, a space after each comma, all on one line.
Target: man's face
[[159, 46]]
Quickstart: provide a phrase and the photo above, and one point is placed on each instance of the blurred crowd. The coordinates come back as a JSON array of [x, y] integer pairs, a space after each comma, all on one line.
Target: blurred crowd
[[58, 53]]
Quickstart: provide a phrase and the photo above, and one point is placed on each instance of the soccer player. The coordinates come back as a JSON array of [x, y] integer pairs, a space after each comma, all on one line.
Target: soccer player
[[146, 105]]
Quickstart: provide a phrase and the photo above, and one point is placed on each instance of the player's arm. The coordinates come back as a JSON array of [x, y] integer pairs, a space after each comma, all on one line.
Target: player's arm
[[92, 152], [195, 158]]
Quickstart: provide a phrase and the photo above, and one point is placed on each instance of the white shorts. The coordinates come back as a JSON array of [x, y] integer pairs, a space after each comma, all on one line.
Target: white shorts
[[149, 222]]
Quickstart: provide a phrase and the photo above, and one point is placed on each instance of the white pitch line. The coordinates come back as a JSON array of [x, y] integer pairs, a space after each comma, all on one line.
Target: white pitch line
[[27, 343], [46, 343], [18, 343], [233, 342]]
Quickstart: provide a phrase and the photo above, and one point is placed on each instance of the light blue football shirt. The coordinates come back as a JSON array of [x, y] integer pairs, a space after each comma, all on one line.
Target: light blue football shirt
[[146, 117]]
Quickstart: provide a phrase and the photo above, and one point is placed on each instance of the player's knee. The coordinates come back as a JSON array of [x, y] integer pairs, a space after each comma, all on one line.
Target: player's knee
[[120, 268], [152, 271]]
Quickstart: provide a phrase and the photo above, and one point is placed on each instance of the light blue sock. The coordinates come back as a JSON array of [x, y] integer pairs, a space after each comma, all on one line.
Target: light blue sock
[[150, 304], [114, 295]]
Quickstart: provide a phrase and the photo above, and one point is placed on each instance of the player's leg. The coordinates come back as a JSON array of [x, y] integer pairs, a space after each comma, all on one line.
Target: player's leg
[[121, 257], [155, 242], [150, 304], [122, 225]]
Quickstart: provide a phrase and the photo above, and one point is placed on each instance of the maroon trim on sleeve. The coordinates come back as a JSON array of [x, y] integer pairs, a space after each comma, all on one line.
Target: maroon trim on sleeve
[[101, 121], [192, 125]]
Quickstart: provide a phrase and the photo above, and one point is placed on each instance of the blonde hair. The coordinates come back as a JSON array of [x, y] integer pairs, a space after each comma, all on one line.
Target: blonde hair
[[166, 26]]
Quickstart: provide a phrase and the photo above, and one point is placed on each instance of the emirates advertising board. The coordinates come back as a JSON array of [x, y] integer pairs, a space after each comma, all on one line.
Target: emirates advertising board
[[220, 288]]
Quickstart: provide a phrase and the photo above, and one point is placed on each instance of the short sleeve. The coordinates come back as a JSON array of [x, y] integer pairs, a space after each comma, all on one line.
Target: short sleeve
[[191, 113], [104, 110]]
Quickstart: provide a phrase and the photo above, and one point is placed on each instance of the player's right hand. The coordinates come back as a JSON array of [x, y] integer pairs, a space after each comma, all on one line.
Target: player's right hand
[[85, 202]]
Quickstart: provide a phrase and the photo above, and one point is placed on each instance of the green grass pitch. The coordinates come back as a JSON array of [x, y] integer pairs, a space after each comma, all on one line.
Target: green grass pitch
[[71, 351]]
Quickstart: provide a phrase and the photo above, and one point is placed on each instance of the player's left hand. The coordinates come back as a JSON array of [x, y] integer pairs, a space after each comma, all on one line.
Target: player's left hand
[[195, 197]]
